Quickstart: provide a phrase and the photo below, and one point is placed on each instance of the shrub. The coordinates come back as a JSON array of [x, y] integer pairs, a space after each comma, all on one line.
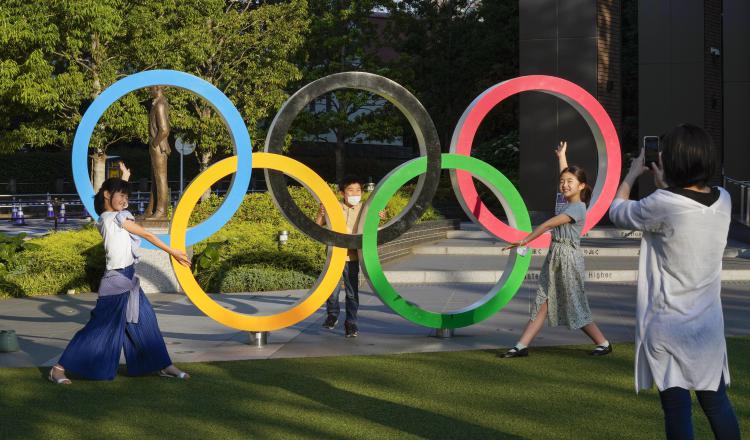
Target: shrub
[[75, 259], [10, 247], [256, 245], [57, 262], [263, 279]]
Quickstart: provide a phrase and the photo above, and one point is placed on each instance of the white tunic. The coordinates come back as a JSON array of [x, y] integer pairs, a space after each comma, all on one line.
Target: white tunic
[[680, 326], [119, 244]]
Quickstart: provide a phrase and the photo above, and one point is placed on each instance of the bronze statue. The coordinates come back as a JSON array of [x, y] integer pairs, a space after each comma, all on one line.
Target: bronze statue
[[159, 150]]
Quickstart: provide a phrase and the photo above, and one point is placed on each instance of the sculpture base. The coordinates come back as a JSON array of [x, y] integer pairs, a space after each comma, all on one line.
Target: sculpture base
[[258, 339], [153, 224], [444, 333], [155, 270]]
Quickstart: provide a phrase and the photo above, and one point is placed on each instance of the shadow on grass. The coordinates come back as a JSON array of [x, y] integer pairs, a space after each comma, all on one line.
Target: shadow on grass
[[557, 392]]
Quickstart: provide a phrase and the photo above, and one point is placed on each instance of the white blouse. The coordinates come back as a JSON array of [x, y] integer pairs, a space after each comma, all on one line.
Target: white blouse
[[119, 244], [680, 324]]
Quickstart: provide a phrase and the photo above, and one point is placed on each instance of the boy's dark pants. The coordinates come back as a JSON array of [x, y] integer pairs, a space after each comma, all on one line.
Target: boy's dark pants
[[351, 286]]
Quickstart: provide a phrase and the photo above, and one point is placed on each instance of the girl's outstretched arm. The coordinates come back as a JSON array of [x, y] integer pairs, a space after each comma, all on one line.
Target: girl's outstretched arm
[[541, 229], [135, 228], [561, 155]]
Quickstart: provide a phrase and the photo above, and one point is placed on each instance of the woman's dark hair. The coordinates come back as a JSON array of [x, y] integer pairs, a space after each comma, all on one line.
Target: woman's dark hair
[[581, 176], [349, 180], [688, 156], [112, 185]]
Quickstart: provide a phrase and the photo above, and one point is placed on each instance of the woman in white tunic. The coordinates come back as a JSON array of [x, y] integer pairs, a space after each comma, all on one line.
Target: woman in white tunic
[[680, 343]]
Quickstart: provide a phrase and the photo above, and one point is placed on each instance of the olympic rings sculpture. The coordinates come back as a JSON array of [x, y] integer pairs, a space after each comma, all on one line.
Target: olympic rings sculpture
[[426, 168]]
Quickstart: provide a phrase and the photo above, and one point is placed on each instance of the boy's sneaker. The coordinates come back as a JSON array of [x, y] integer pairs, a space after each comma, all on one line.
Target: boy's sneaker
[[351, 330], [330, 322]]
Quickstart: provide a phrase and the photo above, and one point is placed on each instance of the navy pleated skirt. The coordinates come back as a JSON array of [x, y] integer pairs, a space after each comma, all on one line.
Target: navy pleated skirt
[[94, 352]]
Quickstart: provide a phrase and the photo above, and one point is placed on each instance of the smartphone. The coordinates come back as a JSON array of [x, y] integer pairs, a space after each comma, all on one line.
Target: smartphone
[[651, 145]]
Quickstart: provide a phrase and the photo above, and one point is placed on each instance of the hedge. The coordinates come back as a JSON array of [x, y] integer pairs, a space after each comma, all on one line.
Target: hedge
[[63, 260], [75, 259], [260, 279]]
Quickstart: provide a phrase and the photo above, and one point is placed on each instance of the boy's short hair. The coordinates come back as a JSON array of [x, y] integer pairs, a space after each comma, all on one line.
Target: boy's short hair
[[688, 156], [349, 180]]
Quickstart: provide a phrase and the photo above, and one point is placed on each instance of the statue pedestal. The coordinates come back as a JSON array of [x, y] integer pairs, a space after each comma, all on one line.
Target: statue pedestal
[[155, 226], [154, 267]]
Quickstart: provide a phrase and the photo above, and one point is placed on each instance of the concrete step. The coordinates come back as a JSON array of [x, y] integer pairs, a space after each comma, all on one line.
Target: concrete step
[[591, 247], [429, 269]]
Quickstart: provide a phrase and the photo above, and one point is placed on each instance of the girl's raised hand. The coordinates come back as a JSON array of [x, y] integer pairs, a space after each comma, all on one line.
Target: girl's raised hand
[[124, 170], [562, 149]]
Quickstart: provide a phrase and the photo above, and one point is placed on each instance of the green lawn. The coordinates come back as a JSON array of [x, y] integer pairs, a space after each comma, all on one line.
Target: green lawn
[[556, 393]]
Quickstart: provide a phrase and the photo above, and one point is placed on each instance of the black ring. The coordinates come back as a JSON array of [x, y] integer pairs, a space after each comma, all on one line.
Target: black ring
[[416, 114]]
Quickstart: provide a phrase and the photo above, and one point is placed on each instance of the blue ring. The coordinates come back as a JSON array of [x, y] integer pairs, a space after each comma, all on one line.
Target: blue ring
[[228, 112]]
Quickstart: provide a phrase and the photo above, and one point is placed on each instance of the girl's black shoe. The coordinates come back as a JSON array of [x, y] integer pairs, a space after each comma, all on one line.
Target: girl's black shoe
[[514, 352], [601, 350]]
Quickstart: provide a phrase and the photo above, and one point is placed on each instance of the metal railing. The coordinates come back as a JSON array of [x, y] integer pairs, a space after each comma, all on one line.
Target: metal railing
[[743, 187], [38, 205], [8, 201]]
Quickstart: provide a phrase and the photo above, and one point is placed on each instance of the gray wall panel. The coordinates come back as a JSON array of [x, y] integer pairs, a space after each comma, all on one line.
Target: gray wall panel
[[686, 31], [576, 18], [577, 62], [537, 19], [685, 95], [581, 147], [537, 57], [538, 136], [653, 31], [557, 38], [736, 51], [736, 129], [736, 59]]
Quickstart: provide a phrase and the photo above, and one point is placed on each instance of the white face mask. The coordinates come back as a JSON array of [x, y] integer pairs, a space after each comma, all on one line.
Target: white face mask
[[353, 200]]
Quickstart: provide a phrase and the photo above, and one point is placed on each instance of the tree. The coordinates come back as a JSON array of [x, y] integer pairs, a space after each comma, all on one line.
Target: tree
[[451, 51], [242, 48], [60, 56], [343, 38]]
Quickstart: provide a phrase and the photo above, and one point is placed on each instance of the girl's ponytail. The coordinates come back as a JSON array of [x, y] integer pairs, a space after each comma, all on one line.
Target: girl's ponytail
[[99, 201], [586, 194]]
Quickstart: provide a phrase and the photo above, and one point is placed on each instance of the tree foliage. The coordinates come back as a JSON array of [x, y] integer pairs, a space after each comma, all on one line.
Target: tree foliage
[[60, 55], [451, 51], [343, 37]]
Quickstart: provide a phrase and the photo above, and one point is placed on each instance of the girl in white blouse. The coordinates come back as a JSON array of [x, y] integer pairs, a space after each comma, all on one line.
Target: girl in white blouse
[[680, 343], [123, 319]]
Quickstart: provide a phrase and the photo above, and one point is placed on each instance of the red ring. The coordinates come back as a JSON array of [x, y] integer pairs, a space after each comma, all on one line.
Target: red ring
[[591, 110]]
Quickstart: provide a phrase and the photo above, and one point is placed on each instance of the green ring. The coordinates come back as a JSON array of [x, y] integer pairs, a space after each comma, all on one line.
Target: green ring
[[498, 296]]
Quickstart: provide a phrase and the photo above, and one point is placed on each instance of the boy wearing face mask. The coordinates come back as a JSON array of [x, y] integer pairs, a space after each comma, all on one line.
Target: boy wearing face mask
[[351, 193]]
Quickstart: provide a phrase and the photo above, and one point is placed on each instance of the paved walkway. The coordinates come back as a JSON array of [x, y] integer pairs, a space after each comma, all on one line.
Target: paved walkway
[[36, 227], [46, 324]]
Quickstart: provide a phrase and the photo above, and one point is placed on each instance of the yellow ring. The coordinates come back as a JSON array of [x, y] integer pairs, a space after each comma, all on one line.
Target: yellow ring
[[320, 292]]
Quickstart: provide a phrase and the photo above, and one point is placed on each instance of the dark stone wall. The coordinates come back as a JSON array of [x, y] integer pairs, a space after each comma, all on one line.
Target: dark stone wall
[[578, 40]]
